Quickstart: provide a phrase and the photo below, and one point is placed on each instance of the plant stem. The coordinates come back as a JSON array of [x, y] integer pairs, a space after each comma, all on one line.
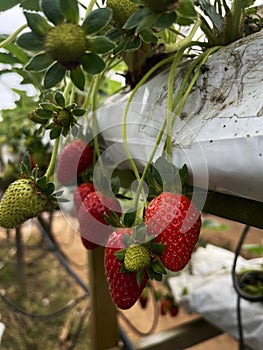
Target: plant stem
[[51, 167], [90, 7], [200, 61], [12, 36]]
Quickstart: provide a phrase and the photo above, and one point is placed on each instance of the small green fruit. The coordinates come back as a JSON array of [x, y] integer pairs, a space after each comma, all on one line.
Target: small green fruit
[[66, 43], [63, 118], [21, 201], [137, 257], [122, 10]]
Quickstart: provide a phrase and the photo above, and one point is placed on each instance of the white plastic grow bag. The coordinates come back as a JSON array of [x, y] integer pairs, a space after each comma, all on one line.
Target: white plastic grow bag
[[210, 293], [219, 132]]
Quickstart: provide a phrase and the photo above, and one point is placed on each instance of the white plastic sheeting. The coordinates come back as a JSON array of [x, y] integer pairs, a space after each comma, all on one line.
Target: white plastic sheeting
[[219, 132], [210, 293]]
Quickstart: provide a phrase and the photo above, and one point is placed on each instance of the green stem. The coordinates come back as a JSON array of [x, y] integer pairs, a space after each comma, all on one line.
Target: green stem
[[90, 7], [201, 60], [12, 36], [237, 20], [51, 167], [169, 127], [124, 120]]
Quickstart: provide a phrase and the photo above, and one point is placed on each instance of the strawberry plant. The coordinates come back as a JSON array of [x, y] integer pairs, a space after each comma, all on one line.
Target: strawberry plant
[[68, 50]]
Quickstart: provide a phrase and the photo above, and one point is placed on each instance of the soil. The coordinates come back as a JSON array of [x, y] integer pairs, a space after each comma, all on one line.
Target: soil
[[223, 233]]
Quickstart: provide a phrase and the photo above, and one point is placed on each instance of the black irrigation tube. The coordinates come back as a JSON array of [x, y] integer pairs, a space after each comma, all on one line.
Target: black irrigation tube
[[239, 284], [54, 249]]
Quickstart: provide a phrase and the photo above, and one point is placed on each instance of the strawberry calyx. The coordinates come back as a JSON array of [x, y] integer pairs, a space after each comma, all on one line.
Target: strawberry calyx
[[141, 253], [59, 118], [163, 176], [41, 185]]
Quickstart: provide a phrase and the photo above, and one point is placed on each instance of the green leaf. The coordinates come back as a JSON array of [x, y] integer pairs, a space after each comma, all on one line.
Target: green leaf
[[126, 240], [113, 34], [42, 113], [31, 42], [59, 98], [78, 112], [115, 184], [97, 20], [92, 63], [158, 267], [165, 20], [186, 9], [37, 23], [49, 106], [54, 133], [140, 276], [78, 78], [32, 5], [26, 164], [99, 44], [129, 217], [8, 4], [157, 248], [52, 11], [70, 10], [147, 36], [133, 43], [135, 19], [74, 131], [42, 182], [141, 234], [6, 58], [54, 75], [209, 10], [120, 254], [154, 275], [17, 52], [167, 172], [39, 63], [50, 188]]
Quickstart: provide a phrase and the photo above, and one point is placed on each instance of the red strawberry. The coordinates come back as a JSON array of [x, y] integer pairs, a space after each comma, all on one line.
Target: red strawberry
[[81, 192], [92, 225], [165, 306], [123, 286], [174, 310], [176, 223], [74, 159]]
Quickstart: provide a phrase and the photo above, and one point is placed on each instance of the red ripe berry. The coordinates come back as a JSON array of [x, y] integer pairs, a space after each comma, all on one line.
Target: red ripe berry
[[176, 224], [174, 309], [165, 306], [93, 227], [74, 159], [81, 192], [123, 286]]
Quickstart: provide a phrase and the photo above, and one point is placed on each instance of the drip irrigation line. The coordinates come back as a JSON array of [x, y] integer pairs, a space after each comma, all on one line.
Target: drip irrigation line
[[53, 248], [56, 313], [239, 285]]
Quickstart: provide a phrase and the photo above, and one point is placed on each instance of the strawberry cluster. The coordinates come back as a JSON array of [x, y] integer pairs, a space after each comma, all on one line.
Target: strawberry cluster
[[136, 251]]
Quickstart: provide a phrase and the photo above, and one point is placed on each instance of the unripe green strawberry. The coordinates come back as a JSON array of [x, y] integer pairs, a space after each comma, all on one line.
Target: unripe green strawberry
[[63, 118], [137, 257], [21, 201], [161, 5], [66, 43], [122, 10]]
